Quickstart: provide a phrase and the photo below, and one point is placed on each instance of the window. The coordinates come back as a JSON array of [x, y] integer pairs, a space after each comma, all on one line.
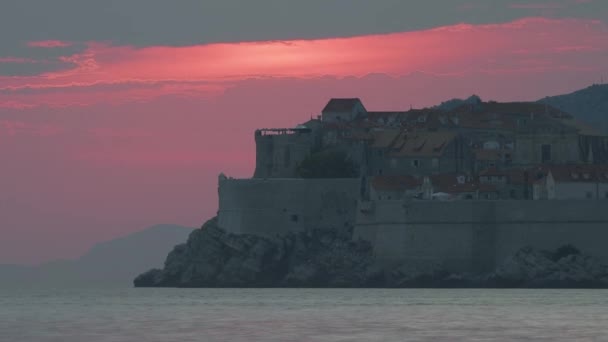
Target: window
[[415, 163], [294, 218], [512, 193], [606, 194], [380, 172], [435, 163], [380, 153], [589, 194]]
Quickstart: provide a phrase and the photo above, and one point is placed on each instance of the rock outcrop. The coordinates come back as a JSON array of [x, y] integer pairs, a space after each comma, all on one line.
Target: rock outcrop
[[566, 267], [213, 258]]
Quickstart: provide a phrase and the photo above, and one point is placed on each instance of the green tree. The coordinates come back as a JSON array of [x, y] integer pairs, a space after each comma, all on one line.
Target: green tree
[[327, 164]]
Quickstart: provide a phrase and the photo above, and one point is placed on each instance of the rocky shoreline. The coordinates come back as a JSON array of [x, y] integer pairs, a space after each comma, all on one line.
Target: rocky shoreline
[[331, 259]]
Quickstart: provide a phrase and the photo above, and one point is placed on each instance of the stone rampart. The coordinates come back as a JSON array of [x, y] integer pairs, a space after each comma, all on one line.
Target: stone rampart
[[475, 236], [271, 207]]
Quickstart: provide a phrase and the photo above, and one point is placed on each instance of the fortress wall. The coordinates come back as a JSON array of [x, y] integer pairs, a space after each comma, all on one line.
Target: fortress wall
[[271, 207], [550, 224], [478, 235]]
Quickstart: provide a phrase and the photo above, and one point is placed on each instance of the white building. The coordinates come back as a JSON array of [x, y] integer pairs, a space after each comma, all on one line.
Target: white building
[[572, 182]]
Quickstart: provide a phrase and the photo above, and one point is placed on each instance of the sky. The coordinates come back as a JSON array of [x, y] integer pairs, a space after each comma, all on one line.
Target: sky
[[120, 114]]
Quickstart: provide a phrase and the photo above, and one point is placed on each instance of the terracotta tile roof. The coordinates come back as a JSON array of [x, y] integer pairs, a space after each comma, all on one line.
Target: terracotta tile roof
[[566, 173], [422, 144], [385, 138], [341, 105], [581, 173], [512, 108], [506, 115]]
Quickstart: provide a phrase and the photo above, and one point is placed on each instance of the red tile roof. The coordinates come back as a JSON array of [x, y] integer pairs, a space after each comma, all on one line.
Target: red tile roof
[[385, 138], [422, 144], [586, 173]]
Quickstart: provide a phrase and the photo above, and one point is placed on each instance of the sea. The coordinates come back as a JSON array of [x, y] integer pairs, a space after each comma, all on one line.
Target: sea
[[209, 315]]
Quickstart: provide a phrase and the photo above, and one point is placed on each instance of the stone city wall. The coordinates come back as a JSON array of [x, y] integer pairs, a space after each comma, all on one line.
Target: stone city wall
[[478, 235], [271, 207]]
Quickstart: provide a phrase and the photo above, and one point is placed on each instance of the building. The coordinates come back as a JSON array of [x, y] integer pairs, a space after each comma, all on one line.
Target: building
[[418, 153], [343, 110], [469, 139], [572, 182]]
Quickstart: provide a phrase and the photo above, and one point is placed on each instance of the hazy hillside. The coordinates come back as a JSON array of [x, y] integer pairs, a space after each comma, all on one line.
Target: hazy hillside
[[111, 263], [589, 105]]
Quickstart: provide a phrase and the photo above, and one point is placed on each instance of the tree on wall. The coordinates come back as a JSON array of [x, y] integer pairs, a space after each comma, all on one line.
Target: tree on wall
[[327, 164]]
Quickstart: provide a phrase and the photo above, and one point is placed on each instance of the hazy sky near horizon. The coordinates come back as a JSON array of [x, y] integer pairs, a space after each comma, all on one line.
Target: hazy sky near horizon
[[119, 114]]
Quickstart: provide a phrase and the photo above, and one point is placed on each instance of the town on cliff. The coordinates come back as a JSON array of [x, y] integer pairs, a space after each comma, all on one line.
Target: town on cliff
[[469, 193], [477, 150]]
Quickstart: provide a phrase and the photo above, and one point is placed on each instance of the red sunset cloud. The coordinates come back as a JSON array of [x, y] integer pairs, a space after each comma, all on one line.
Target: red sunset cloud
[[104, 72]]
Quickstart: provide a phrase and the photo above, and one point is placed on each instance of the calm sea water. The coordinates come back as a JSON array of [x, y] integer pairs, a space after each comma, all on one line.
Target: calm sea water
[[303, 315]]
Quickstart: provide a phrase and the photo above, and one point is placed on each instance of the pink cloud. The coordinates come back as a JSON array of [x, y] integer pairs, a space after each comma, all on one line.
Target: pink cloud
[[48, 44], [193, 70]]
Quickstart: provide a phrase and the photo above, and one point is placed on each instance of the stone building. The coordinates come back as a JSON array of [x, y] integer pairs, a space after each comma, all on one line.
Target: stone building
[[280, 150], [469, 139], [418, 153], [343, 110], [572, 182]]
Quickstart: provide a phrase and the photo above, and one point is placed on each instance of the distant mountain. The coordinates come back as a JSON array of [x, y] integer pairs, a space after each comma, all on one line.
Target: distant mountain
[[589, 105], [111, 263]]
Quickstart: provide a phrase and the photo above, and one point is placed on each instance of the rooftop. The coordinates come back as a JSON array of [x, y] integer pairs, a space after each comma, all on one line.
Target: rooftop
[[342, 105], [423, 144]]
